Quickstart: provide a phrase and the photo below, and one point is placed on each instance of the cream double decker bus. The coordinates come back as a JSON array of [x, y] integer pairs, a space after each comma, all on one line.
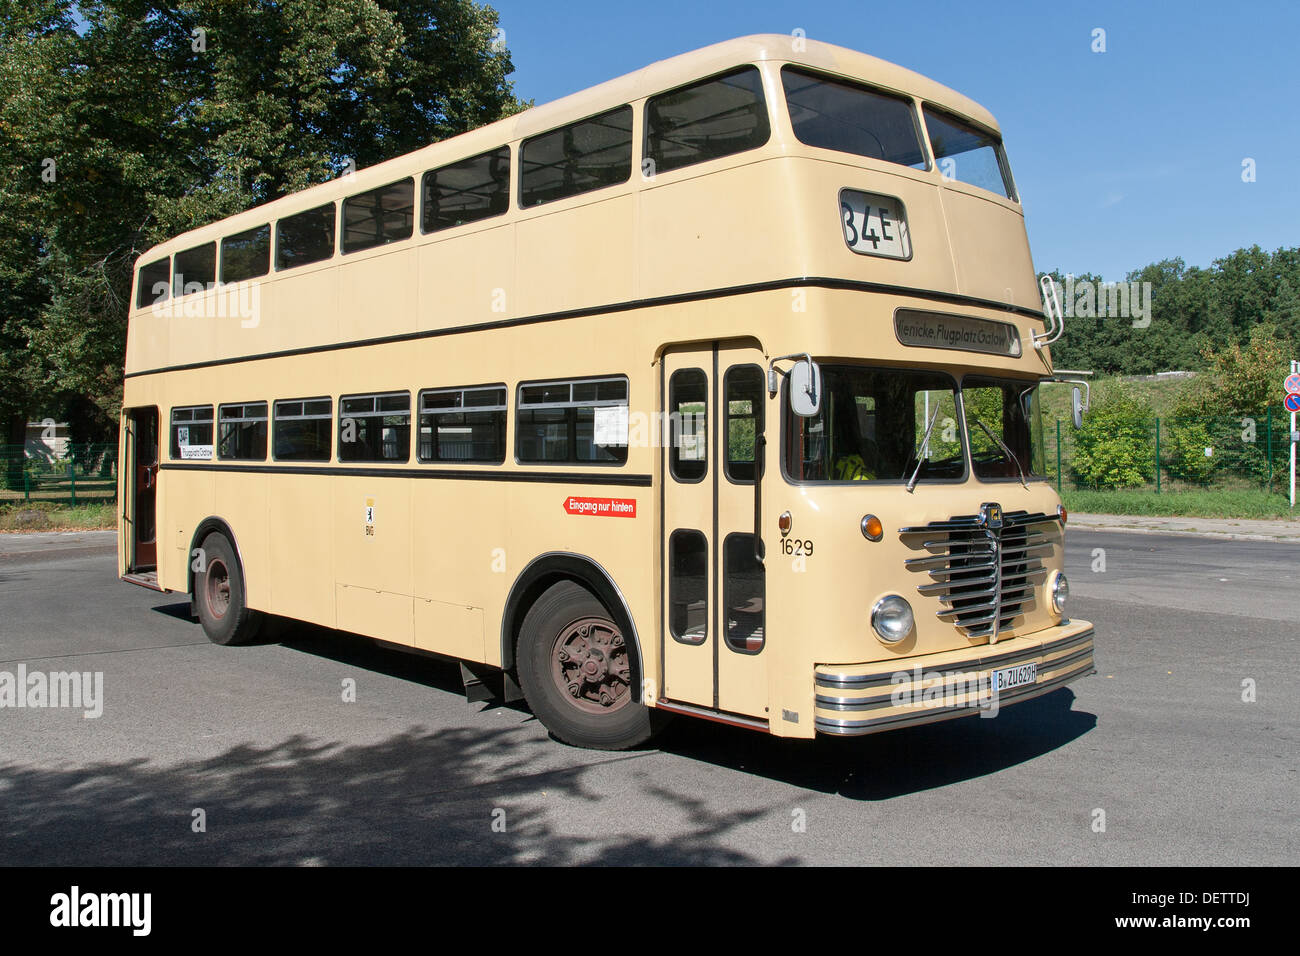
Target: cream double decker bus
[[711, 390]]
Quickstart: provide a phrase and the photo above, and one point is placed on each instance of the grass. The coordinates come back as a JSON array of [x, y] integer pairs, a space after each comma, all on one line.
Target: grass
[[1213, 503], [48, 516], [1157, 395]]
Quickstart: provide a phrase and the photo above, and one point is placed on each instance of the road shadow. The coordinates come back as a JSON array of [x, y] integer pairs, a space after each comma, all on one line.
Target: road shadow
[[180, 610], [356, 650], [420, 797], [893, 764], [871, 768]]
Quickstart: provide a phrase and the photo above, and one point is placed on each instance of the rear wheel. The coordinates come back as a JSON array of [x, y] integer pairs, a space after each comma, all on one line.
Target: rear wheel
[[575, 669], [219, 594]]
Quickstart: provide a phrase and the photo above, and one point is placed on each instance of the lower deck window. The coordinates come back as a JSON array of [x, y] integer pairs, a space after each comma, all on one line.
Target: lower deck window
[[302, 429], [463, 424], [241, 432], [375, 427], [192, 433], [581, 421]]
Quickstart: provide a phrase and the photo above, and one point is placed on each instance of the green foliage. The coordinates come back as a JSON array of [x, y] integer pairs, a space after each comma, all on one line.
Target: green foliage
[[1240, 379], [1182, 452], [984, 404], [1114, 449], [1191, 308], [161, 118]]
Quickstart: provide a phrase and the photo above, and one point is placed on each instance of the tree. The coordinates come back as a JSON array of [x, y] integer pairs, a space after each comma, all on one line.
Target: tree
[[1191, 308], [143, 120], [1239, 379]]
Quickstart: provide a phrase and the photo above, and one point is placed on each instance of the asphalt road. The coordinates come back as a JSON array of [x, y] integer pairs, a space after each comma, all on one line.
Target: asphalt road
[[286, 772]]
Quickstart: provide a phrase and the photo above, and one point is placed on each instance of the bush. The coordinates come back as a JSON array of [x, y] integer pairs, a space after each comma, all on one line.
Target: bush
[[1114, 448], [1183, 452]]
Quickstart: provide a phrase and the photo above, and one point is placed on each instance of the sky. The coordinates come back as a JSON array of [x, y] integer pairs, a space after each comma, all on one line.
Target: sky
[[1122, 158]]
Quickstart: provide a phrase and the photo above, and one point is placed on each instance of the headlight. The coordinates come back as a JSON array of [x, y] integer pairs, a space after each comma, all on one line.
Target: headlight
[[1060, 592], [891, 618]]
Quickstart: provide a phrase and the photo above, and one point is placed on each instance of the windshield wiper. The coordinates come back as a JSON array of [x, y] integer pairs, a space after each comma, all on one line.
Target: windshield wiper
[[1010, 454], [925, 439]]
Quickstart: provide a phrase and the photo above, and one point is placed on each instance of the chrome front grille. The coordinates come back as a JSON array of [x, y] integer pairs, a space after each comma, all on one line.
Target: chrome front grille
[[983, 567]]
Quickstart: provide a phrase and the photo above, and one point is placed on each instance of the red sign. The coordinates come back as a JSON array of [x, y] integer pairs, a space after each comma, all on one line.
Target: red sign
[[1293, 382], [601, 507]]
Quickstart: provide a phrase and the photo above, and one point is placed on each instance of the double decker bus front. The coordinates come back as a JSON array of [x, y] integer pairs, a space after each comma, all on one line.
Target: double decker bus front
[[918, 540]]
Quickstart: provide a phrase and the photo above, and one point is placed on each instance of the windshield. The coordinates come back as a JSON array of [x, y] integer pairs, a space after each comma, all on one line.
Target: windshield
[[968, 154], [1008, 411], [872, 427]]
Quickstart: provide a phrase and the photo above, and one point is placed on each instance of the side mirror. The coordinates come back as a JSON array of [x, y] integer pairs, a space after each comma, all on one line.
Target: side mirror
[[805, 389], [1076, 406]]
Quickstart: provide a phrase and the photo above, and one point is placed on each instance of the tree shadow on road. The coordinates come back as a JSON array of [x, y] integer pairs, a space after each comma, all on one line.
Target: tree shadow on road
[[873, 768], [422, 796]]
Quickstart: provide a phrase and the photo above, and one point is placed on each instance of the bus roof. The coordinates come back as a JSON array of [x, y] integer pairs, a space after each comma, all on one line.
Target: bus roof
[[655, 78]]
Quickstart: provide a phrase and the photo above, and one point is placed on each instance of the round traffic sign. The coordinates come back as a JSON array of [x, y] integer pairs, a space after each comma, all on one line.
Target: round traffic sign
[[1292, 383], [1293, 402]]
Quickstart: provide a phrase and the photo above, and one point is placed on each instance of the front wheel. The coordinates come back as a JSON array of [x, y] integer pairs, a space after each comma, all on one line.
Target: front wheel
[[219, 594], [575, 669]]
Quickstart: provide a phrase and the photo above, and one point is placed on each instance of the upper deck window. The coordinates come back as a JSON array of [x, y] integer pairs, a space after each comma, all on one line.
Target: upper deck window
[[305, 237], [706, 120], [379, 216], [968, 154], [831, 113], [155, 283], [590, 154], [194, 269], [464, 192], [246, 255]]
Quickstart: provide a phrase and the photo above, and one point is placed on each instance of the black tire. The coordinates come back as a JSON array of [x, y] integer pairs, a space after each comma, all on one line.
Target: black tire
[[219, 595], [570, 614]]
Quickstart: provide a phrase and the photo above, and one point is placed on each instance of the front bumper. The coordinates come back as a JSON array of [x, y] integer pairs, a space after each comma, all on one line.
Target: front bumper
[[855, 699]]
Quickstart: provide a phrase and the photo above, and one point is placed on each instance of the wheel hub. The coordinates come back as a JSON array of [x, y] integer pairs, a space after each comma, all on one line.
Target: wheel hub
[[590, 665], [218, 588]]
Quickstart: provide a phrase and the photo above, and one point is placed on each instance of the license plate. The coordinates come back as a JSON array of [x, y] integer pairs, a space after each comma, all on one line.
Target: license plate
[[1010, 677], [875, 225]]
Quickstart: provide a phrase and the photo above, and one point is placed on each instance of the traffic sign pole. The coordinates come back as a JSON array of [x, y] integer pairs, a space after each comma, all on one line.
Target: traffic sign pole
[[1293, 379]]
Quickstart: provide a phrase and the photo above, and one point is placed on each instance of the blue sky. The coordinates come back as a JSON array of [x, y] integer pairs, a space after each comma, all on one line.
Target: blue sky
[[1122, 158]]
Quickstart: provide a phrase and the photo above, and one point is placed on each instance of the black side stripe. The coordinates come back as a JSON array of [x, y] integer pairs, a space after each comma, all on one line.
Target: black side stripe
[[457, 474], [949, 298]]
